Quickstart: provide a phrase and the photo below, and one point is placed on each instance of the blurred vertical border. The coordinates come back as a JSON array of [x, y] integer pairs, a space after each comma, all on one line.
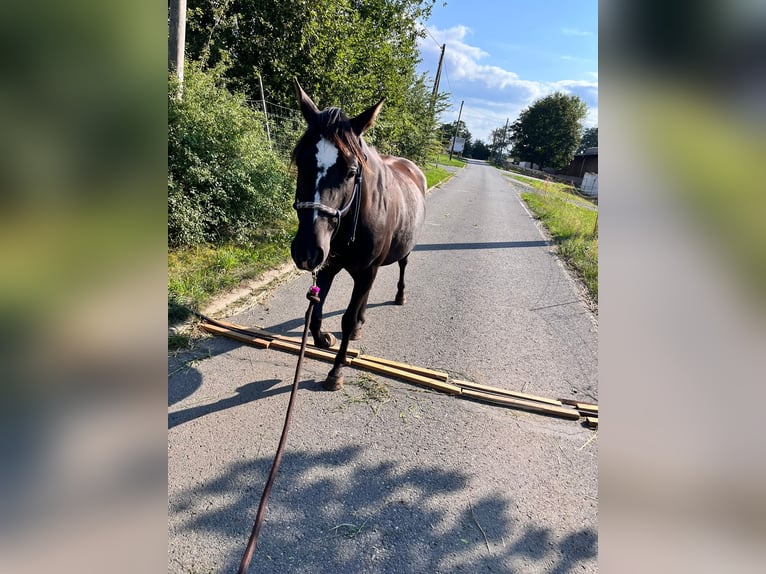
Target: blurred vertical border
[[682, 275], [83, 109]]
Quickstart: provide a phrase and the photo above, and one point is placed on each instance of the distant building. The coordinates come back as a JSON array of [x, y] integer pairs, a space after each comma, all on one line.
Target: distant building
[[584, 162]]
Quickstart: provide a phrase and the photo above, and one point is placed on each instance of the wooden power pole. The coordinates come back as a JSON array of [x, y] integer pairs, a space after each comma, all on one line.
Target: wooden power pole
[[438, 76], [457, 127], [177, 38]]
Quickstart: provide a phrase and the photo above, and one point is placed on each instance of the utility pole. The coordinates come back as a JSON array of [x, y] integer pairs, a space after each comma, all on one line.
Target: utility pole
[[265, 115], [177, 38], [457, 126], [505, 135], [438, 76]]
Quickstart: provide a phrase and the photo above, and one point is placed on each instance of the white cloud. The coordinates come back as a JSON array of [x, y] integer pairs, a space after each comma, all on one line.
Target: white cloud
[[462, 60], [575, 32], [491, 93]]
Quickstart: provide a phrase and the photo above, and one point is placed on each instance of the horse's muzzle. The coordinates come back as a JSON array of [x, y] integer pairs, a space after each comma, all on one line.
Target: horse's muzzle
[[305, 258]]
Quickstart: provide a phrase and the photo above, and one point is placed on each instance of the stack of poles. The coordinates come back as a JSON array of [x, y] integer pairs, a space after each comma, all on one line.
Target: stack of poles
[[434, 379]]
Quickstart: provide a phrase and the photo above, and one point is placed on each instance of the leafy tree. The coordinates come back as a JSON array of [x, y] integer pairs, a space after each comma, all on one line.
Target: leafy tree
[[500, 142], [345, 53], [589, 139], [548, 132], [223, 181], [480, 150], [447, 132]]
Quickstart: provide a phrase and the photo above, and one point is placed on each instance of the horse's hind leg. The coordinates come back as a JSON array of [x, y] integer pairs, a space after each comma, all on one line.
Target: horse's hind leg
[[401, 299]]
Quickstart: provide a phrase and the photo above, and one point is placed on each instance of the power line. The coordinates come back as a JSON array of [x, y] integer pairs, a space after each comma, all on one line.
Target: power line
[[447, 77], [432, 38]]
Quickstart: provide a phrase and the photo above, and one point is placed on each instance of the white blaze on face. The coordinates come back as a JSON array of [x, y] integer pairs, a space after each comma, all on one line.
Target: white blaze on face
[[327, 155]]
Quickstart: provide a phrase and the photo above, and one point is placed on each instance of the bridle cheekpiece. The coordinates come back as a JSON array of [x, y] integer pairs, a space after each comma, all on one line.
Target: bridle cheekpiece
[[338, 214]]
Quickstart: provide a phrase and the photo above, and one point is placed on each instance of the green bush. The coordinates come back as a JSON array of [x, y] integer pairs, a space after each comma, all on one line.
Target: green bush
[[224, 183]]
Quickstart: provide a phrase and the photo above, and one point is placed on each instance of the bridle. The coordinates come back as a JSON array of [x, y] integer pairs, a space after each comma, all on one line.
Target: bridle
[[338, 214]]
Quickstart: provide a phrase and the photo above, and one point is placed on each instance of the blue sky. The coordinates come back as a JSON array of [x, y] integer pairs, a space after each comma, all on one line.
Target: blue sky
[[502, 55]]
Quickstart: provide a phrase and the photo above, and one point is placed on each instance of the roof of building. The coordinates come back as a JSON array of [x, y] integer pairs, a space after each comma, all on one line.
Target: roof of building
[[589, 151]]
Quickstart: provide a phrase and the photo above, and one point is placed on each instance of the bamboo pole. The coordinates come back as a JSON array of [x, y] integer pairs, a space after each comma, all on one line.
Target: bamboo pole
[[405, 375], [439, 375], [216, 330], [412, 374], [256, 331], [580, 406], [515, 394], [551, 410], [311, 352]]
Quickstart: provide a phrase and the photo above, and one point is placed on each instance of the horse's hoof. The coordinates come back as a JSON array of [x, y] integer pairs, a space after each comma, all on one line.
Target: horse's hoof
[[400, 300], [325, 340], [356, 334], [333, 383]]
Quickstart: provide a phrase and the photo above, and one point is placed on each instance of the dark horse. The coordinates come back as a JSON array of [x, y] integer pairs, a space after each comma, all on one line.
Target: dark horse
[[357, 210]]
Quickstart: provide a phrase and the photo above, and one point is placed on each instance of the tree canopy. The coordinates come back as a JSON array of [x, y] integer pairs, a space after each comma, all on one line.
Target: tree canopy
[[479, 150], [589, 139], [548, 132], [345, 53]]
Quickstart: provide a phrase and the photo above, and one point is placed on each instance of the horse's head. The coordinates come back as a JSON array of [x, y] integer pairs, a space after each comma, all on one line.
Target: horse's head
[[328, 157]]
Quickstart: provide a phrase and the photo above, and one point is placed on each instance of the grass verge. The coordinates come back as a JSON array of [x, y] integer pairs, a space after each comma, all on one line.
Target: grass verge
[[575, 231], [562, 190], [197, 274], [456, 161], [435, 175]]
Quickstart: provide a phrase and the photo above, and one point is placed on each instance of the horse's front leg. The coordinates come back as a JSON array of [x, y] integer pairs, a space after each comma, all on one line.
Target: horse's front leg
[[324, 282], [362, 285]]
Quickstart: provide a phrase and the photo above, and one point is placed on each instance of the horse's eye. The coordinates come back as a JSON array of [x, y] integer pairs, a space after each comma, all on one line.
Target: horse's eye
[[351, 173]]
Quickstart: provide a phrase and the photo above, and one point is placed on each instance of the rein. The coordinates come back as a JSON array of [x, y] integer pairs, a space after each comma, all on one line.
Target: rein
[[338, 214], [313, 297]]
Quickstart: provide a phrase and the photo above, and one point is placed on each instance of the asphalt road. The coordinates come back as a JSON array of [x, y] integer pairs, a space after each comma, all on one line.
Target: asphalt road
[[383, 476]]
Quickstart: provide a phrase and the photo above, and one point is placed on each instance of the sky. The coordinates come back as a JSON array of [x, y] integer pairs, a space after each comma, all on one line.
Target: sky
[[502, 55]]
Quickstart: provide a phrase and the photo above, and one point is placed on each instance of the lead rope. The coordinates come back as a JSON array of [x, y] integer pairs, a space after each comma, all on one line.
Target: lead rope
[[313, 297]]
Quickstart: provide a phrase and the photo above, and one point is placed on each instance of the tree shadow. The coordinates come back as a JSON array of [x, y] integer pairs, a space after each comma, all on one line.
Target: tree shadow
[[480, 245], [345, 510]]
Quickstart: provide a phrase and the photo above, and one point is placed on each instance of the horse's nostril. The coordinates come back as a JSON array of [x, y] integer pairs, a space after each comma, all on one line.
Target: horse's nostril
[[306, 259], [317, 259]]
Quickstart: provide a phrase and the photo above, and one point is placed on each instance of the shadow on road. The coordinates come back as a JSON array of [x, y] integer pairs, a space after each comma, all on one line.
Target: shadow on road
[[490, 245], [378, 517], [294, 327]]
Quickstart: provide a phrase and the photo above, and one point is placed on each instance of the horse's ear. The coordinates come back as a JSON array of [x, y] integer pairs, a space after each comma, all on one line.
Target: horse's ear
[[308, 108], [364, 121]]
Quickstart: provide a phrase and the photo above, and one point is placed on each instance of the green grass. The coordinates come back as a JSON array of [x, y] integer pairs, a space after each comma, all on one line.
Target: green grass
[[197, 274], [561, 190], [456, 161], [575, 232], [435, 175]]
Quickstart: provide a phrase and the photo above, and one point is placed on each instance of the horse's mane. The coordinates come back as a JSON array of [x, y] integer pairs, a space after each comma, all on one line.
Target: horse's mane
[[334, 125]]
